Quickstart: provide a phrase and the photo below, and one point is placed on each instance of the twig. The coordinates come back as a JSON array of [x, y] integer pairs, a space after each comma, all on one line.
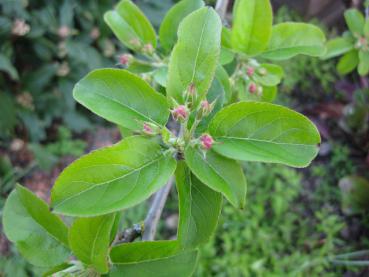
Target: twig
[[157, 205], [221, 8], [153, 216]]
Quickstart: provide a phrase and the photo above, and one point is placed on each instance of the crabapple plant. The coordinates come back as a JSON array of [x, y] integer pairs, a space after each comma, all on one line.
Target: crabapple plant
[[194, 103]]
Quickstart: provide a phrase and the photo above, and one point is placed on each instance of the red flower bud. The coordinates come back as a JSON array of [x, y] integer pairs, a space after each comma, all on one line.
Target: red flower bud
[[180, 113], [253, 88], [125, 59], [150, 129], [191, 89], [206, 141], [250, 71]]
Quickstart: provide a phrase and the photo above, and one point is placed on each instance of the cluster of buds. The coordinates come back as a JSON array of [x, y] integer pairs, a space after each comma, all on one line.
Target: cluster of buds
[[150, 129], [206, 141], [125, 59], [180, 113]]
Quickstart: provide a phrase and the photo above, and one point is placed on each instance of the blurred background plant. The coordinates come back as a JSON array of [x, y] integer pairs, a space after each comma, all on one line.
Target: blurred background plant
[[295, 223]]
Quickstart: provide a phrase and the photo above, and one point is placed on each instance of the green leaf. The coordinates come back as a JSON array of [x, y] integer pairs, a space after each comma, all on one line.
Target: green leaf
[[348, 62], [199, 209], [222, 76], [355, 21], [161, 75], [252, 26], [363, 67], [338, 46], [130, 25], [264, 132], [171, 21], [366, 29], [89, 239], [112, 178], [291, 39], [6, 66], [226, 38], [122, 98], [269, 94], [40, 236], [226, 56], [219, 173], [152, 258], [272, 77], [194, 58]]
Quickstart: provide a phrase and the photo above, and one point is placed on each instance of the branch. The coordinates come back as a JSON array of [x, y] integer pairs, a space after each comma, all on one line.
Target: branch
[[221, 8], [157, 205], [156, 209]]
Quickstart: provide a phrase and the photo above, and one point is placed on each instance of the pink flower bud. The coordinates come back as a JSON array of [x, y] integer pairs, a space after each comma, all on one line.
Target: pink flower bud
[[148, 49], [135, 43], [263, 71], [125, 59], [180, 113], [206, 141], [147, 129], [253, 88], [250, 71], [64, 32], [191, 89]]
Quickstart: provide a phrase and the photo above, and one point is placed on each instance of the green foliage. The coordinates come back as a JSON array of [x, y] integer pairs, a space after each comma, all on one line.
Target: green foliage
[[353, 45], [272, 236], [214, 133], [46, 47]]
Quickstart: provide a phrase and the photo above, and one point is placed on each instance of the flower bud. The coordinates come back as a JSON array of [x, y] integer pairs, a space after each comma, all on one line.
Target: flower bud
[[253, 88], [206, 141], [206, 108], [135, 43], [180, 113], [191, 89], [64, 32], [250, 71], [20, 28], [148, 49], [150, 129], [125, 59]]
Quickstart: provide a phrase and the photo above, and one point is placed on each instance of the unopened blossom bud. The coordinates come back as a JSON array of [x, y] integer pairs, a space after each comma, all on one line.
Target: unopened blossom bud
[[64, 32], [250, 71], [135, 43], [148, 49], [206, 141], [191, 89], [253, 88], [150, 129], [180, 113], [95, 33], [125, 59], [20, 27], [206, 108]]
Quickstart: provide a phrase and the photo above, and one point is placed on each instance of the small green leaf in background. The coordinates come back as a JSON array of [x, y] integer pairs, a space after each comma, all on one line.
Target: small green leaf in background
[[112, 178], [291, 39], [169, 26], [194, 58], [264, 132], [271, 76], [338, 46], [40, 236], [6, 66], [122, 98], [363, 67], [348, 62], [355, 21], [219, 173], [130, 25], [152, 258], [89, 239], [366, 29], [199, 209], [354, 194], [252, 26]]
